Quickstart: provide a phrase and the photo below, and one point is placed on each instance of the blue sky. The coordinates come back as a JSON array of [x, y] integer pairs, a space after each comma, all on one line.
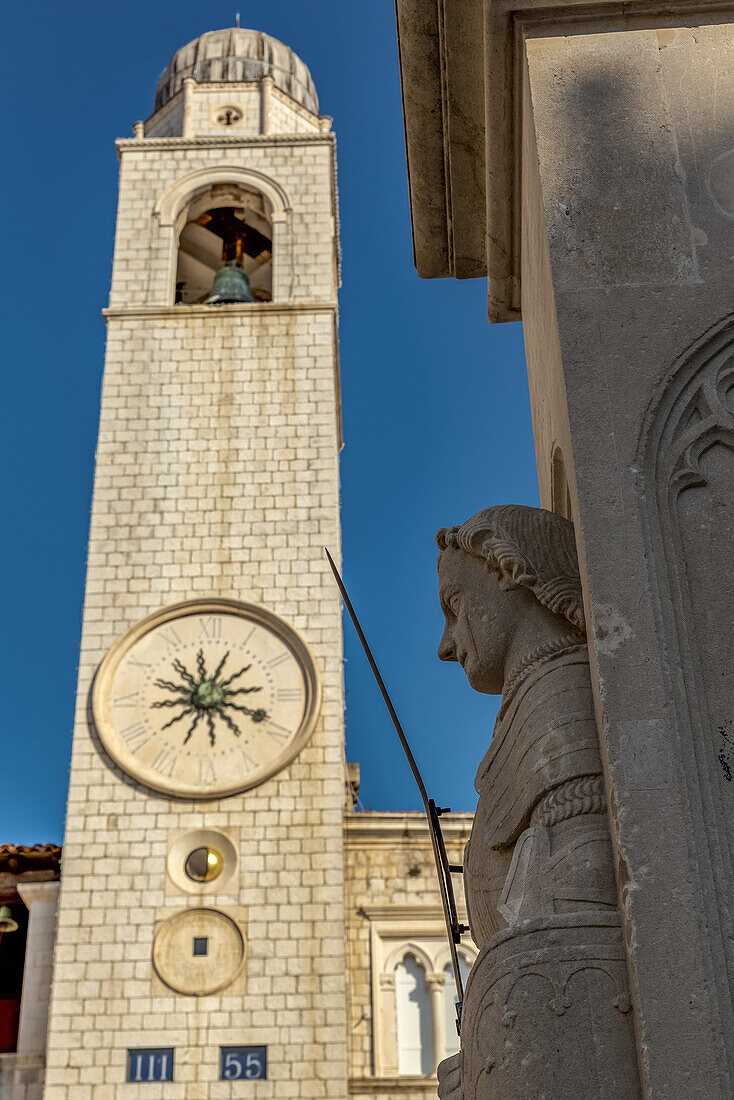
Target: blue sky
[[436, 414]]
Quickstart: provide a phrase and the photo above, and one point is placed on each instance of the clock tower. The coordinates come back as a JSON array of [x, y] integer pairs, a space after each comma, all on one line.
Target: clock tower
[[201, 917]]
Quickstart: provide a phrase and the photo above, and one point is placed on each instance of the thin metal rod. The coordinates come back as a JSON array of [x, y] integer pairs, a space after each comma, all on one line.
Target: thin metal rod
[[380, 681], [453, 929]]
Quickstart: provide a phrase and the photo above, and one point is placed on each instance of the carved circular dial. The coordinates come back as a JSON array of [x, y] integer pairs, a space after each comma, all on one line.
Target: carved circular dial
[[206, 698]]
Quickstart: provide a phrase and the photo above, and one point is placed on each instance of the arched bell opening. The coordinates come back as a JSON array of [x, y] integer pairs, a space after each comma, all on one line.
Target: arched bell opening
[[225, 233]]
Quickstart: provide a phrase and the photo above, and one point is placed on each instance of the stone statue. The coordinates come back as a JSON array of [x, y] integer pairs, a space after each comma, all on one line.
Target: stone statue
[[546, 1010]]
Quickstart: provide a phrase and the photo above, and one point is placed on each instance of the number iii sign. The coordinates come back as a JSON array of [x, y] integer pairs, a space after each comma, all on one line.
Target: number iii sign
[[150, 1064], [243, 1064]]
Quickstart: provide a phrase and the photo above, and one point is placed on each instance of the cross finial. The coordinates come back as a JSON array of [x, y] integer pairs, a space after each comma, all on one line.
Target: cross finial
[[237, 19]]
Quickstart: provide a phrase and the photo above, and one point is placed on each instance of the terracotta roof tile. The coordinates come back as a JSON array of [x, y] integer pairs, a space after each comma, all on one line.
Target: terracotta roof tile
[[17, 858]]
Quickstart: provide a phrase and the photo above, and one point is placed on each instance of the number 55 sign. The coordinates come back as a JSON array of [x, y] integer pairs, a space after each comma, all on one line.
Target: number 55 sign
[[243, 1064]]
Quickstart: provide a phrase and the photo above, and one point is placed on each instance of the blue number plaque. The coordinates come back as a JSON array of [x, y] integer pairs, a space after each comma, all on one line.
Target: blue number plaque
[[243, 1064], [150, 1064]]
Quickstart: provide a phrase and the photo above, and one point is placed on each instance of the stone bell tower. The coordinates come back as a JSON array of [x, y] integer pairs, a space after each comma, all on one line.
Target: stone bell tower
[[201, 917]]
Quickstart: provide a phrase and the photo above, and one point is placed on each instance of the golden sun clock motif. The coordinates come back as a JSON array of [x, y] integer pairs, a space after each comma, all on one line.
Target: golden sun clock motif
[[206, 698]]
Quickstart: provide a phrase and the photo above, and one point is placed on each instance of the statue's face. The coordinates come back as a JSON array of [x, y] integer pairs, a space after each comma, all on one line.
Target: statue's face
[[481, 619]]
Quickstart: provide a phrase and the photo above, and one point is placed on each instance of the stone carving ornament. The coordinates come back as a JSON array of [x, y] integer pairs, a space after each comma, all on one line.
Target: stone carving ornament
[[685, 468], [546, 1012]]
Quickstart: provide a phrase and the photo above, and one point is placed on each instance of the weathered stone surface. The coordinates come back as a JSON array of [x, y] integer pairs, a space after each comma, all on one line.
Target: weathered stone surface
[[538, 870], [634, 387], [548, 1013]]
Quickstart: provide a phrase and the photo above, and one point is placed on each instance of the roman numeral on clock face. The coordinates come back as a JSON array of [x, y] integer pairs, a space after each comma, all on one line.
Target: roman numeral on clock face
[[207, 773], [138, 663], [278, 733], [135, 736], [165, 762], [129, 700], [170, 637], [288, 695], [210, 628], [279, 659], [248, 761]]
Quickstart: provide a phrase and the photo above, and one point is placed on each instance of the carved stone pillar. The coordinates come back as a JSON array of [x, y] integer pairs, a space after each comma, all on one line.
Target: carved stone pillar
[[41, 899], [266, 100], [386, 1028], [590, 146], [434, 984], [627, 303]]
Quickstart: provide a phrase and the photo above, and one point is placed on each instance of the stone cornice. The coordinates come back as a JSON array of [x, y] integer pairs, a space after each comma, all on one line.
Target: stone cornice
[[183, 311], [391, 1086], [427, 914], [372, 830], [141, 145], [463, 160]]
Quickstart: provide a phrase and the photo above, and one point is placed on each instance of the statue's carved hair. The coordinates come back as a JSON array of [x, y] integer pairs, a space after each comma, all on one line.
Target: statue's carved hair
[[526, 548]]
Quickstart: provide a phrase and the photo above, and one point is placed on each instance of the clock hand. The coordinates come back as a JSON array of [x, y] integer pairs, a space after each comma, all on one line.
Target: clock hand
[[220, 666], [454, 930]]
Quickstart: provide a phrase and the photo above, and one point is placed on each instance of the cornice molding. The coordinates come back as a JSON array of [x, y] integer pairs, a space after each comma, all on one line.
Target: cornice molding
[[141, 145], [391, 1086], [425, 914], [371, 830], [202, 311]]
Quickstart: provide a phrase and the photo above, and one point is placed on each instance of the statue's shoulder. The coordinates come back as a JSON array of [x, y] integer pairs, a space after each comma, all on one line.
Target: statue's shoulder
[[545, 735]]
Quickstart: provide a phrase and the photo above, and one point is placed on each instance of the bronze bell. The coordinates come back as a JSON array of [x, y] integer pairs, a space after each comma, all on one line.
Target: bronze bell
[[231, 286], [7, 924]]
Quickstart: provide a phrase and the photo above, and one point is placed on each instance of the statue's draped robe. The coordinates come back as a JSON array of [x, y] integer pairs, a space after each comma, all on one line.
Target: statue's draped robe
[[546, 1011]]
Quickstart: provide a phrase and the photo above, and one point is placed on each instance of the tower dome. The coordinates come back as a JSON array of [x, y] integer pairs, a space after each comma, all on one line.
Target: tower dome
[[233, 55]]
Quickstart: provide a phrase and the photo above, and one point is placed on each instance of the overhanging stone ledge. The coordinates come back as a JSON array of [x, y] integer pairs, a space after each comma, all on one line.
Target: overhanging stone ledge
[[455, 61]]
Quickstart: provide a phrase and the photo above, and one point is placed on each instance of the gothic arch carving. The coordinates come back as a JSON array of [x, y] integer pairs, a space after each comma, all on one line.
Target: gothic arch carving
[[443, 957], [397, 955], [170, 211], [685, 470]]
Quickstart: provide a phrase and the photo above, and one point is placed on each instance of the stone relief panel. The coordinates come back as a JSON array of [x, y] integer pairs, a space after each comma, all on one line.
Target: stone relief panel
[[551, 1013], [686, 470]]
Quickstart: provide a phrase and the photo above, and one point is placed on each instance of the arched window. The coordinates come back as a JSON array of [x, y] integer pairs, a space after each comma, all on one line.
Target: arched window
[[220, 223], [413, 1017], [451, 1035], [560, 492]]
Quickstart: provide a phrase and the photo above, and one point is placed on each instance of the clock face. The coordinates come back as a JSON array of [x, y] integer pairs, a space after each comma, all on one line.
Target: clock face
[[206, 698]]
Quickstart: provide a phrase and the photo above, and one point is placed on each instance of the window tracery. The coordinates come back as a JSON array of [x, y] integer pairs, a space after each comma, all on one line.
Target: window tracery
[[414, 997]]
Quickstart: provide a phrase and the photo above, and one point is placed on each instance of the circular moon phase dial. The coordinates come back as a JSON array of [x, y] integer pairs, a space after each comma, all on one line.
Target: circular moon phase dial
[[206, 698], [198, 951], [204, 864]]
